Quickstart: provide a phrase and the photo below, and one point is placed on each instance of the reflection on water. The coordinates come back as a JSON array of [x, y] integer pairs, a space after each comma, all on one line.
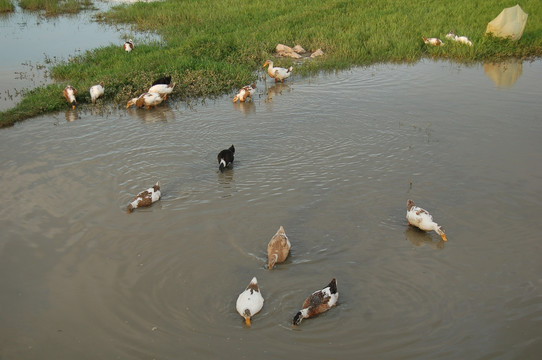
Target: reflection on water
[[420, 238], [245, 108], [333, 162], [504, 74]]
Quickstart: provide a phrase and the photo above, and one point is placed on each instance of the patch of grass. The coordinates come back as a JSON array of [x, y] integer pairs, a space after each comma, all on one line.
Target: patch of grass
[[56, 7], [6, 6], [211, 47]]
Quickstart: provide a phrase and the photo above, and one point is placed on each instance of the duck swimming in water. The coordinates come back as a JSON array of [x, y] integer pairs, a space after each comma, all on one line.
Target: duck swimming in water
[[250, 301], [421, 219], [318, 302], [225, 158]]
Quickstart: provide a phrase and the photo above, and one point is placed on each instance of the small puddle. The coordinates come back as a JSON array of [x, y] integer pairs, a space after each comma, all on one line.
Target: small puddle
[[32, 42]]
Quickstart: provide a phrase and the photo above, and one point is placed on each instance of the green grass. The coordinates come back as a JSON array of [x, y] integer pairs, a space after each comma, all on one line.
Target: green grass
[[55, 7], [6, 6], [211, 47]]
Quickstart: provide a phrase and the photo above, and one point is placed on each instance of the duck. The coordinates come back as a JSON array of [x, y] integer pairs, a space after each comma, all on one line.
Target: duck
[[250, 301], [147, 99], [277, 73], [145, 198], [163, 80], [318, 302], [278, 248], [225, 158], [96, 91], [461, 39], [162, 89], [421, 219], [245, 92], [432, 41], [128, 45], [70, 93]]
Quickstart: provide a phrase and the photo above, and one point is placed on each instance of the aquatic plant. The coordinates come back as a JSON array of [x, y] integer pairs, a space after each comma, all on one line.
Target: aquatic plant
[[214, 46]]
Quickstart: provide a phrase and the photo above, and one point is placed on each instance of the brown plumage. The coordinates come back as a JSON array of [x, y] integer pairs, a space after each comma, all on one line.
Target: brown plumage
[[318, 302], [278, 248], [69, 94]]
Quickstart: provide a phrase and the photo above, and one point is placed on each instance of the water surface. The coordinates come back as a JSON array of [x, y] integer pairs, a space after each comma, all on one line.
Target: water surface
[[333, 158]]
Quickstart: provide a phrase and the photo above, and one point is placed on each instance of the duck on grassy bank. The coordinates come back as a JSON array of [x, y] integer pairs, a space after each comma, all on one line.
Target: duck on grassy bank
[[96, 91], [128, 45], [69, 94]]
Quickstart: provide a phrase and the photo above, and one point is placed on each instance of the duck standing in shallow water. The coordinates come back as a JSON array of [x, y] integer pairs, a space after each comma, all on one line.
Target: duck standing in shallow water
[[319, 302], [145, 198], [96, 91], [69, 94], [245, 92], [147, 99], [277, 73], [278, 248], [128, 45], [225, 158], [250, 301], [162, 89], [421, 219], [432, 41]]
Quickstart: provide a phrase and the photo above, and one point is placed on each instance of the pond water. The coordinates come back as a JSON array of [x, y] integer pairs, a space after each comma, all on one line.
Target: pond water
[[31, 42], [333, 158]]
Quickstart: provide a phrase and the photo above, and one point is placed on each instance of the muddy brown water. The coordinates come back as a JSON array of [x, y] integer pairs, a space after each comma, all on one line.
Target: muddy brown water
[[333, 158]]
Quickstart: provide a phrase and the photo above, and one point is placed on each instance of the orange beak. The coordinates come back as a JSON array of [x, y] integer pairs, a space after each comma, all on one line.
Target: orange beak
[[247, 321], [444, 237]]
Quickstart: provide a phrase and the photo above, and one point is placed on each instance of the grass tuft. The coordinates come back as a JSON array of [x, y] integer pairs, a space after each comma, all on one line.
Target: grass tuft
[[6, 6]]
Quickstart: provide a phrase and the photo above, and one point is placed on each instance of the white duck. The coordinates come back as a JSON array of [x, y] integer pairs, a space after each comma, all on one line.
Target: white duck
[[432, 41], [250, 301], [245, 92], [318, 302], [461, 39], [277, 73], [162, 89], [145, 198], [96, 91], [147, 99], [421, 219], [69, 94]]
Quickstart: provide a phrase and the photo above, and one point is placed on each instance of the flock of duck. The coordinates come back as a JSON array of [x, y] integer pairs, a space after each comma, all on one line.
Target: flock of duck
[[250, 301], [160, 88], [450, 36]]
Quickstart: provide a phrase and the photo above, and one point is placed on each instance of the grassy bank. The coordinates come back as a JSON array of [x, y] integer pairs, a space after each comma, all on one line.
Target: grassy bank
[[210, 47], [55, 7], [6, 6]]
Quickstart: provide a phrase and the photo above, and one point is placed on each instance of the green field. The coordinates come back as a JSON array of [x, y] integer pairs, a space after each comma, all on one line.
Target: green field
[[211, 47]]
